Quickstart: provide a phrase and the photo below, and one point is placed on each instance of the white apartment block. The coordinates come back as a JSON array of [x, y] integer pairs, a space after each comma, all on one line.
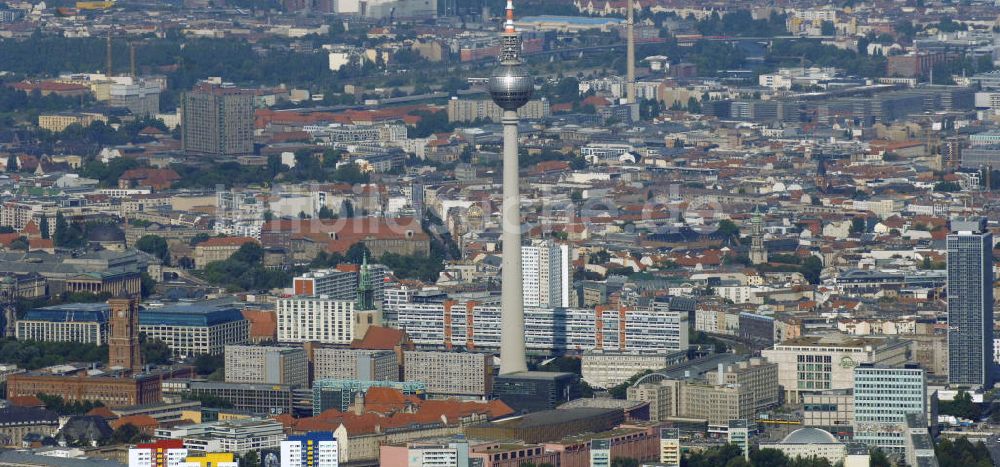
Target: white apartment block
[[235, 436], [267, 365], [545, 274], [239, 213], [315, 319], [147, 457], [357, 364], [198, 339], [339, 285], [451, 373], [477, 326], [331, 283], [312, 453]]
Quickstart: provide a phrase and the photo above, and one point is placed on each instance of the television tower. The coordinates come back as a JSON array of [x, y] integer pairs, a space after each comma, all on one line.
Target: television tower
[[630, 32], [511, 87]]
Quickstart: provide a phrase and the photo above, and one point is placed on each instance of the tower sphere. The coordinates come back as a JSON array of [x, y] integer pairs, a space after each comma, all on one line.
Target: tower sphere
[[510, 86]]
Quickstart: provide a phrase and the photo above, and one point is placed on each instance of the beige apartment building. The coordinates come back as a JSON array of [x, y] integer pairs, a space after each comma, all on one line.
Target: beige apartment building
[[267, 365], [451, 373], [59, 121], [364, 365]]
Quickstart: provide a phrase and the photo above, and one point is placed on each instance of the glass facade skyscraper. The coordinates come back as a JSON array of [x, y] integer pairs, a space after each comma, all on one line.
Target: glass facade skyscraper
[[970, 304], [882, 399]]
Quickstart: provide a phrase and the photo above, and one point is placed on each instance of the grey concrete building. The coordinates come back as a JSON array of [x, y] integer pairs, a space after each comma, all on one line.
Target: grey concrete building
[[218, 120], [267, 365]]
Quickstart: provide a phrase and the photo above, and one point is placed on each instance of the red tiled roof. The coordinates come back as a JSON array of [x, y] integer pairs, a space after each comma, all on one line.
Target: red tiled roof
[[25, 401], [49, 86], [102, 412], [263, 323], [138, 421], [380, 338], [41, 244]]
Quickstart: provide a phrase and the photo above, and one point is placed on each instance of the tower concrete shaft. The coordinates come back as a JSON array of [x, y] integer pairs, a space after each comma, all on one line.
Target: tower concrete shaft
[[630, 73], [512, 348]]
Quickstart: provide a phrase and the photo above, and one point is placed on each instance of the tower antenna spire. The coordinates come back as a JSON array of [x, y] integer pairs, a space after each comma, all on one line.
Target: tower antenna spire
[[508, 27]]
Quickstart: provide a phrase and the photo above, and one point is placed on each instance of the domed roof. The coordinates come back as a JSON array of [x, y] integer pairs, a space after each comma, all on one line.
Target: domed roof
[[810, 436]]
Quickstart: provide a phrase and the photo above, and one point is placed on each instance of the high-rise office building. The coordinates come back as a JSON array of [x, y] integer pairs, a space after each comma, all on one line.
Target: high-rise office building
[[305, 319], [313, 449], [882, 399], [218, 120], [670, 447], [600, 453], [970, 304], [739, 434], [545, 272]]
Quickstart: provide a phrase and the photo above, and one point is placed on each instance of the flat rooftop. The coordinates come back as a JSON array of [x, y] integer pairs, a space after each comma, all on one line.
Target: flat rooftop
[[552, 417]]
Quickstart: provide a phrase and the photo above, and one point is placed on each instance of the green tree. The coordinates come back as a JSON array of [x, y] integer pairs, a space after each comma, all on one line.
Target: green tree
[[62, 230], [250, 459], [147, 285], [20, 244], [43, 226], [356, 253], [728, 229], [350, 173], [128, 434], [154, 351], [858, 226], [67, 235], [879, 459], [156, 246], [348, 208], [59, 405], [12, 163], [947, 187], [207, 364], [325, 213], [827, 28], [962, 453], [693, 105], [961, 406], [812, 268], [624, 462]]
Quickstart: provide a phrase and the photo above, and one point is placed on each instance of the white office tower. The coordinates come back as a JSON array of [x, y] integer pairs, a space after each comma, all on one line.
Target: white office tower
[[310, 450], [545, 272]]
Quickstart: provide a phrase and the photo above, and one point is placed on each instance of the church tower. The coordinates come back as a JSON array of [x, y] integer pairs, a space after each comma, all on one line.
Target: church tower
[[366, 314], [758, 254], [123, 341], [366, 291]]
